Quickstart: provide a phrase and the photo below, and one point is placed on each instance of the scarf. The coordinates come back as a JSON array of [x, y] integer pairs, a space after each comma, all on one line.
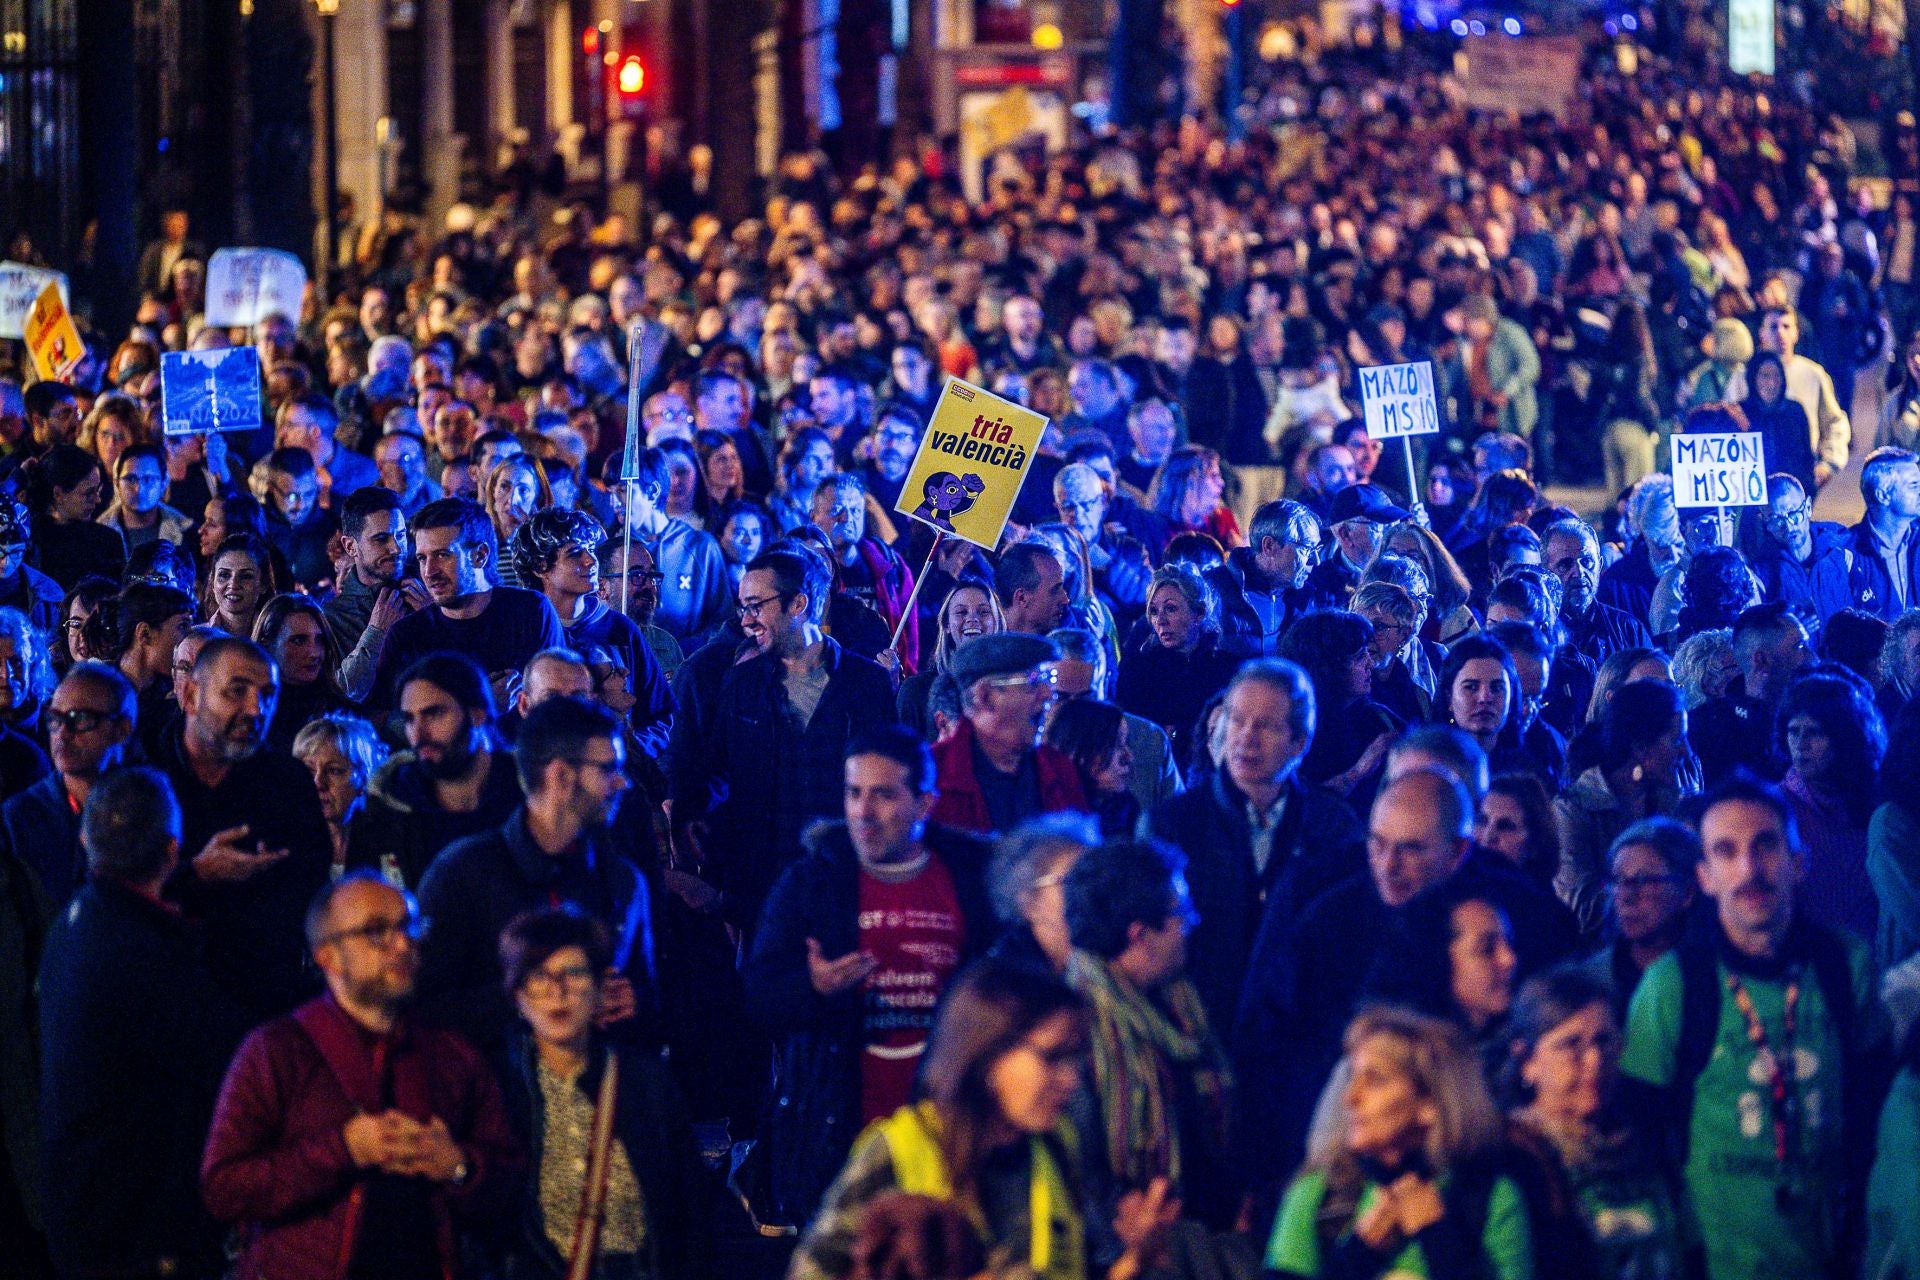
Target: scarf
[[1138, 1047]]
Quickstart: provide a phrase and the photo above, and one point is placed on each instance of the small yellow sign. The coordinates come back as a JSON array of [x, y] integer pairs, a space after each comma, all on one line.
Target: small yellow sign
[[52, 340], [975, 455]]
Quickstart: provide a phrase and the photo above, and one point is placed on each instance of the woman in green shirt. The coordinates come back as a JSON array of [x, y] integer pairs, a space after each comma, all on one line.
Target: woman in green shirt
[[1402, 1173], [1563, 1080]]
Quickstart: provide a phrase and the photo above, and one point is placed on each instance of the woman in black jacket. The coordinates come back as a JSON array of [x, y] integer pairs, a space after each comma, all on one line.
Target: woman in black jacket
[[1169, 678], [552, 1080], [1352, 732], [63, 489], [1785, 434]]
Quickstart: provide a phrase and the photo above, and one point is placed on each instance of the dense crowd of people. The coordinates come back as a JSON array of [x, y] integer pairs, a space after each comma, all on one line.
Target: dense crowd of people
[[439, 843]]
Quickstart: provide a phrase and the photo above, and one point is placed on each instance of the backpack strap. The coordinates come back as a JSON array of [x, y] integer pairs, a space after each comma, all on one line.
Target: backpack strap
[[1699, 1025]]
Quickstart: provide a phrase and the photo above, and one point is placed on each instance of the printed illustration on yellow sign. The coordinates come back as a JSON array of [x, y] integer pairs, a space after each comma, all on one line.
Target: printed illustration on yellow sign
[[52, 340], [972, 461]]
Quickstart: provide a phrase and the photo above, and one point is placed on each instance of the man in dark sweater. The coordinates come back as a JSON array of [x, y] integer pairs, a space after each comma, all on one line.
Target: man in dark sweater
[[498, 627], [90, 719], [556, 848], [253, 816]]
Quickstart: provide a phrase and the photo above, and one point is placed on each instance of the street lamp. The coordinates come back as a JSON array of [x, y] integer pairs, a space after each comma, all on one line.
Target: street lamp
[[330, 163]]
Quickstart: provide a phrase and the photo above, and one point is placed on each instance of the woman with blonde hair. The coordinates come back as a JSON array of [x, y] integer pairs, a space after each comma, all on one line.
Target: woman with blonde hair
[[514, 489], [970, 611], [1169, 677], [342, 751], [1403, 1172]]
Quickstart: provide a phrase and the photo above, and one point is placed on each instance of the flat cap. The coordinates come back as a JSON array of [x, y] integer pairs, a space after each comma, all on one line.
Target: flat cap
[[1006, 654]]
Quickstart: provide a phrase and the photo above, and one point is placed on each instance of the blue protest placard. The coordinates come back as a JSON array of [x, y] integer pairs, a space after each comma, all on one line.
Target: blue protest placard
[[210, 391]]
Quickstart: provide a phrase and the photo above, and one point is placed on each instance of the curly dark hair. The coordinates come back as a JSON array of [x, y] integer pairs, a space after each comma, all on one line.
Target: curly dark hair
[[1719, 588], [1854, 729]]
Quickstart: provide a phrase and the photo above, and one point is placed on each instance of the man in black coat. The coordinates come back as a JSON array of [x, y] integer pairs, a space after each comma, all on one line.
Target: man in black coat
[[1257, 838], [856, 942], [555, 848], [1735, 730], [1262, 586], [135, 1034], [751, 766], [254, 817], [1308, 966], [89, 719]]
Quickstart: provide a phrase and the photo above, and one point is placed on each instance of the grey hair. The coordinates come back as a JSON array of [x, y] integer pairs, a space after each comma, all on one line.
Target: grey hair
[[348, 734], [1020, 854], [1694, 658], [1279, 518], [1652, 512]]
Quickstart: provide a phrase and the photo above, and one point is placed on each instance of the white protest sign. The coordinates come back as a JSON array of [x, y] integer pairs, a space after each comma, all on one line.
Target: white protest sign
[[1398, 400], [1526, 75], [20, 285], [1719, 469], [245, 286]]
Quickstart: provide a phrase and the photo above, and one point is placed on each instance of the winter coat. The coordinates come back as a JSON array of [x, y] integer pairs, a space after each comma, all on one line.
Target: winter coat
[[963, 804]]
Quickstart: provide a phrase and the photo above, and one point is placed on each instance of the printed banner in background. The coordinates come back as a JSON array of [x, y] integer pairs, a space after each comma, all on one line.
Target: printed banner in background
[[210, 391], [245, 286], [973, 459], [20, 284]]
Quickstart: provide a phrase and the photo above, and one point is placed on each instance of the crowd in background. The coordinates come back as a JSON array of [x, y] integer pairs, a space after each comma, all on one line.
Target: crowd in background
[[429, 851]]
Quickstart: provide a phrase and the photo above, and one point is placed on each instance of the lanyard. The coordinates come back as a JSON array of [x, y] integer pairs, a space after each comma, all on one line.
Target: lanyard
[[1781, 1082]]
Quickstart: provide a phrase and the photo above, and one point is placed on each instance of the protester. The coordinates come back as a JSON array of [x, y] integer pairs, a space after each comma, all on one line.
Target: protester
[[90, 721], [993, 770], [1653, 883], [387, 1143], [1027, 879]]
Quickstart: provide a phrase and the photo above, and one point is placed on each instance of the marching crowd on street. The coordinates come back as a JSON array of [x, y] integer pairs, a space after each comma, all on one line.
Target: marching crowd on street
[[428, 851]]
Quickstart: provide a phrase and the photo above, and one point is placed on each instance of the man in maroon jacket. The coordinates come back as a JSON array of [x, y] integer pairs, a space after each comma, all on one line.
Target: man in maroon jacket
[[347, 1139], [994, 772]]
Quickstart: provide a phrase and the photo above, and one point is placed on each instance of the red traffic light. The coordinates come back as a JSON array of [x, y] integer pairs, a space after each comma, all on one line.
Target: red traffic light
[[633, 75]]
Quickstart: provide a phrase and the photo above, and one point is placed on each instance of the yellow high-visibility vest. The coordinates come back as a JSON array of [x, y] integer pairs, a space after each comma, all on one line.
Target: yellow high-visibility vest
[[1056, 1250]]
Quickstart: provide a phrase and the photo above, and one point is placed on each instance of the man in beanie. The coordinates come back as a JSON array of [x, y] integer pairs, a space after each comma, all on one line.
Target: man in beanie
[[993, 773], [1722, 377]]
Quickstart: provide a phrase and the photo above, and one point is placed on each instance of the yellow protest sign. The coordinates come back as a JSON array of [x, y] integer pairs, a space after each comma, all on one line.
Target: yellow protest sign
[[52, 340], [972, 461]]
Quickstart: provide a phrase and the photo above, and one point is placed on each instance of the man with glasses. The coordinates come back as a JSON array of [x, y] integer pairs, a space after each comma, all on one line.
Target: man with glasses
[[347, 1130], [555, 848], [1801, 560], [634, 565], [53, 416], [135, 1030], [869, 571], [756, 760], [1120, 566], [90, 719], [666, 416], [994, 772], [893, 442], [402, 459], [695, 588], [1262, 586], [857, 940], [139, 484]]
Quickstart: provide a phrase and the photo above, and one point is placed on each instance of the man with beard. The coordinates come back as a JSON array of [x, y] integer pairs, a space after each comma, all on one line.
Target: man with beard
[[1120, 566], [895, 439], [555, 848], [869, 570], [345, 1132], [374, 592], [89, 720], [1262, 586], [298, 526], [253, 816], [1761, 1044], [497, 627], [755, 762], [1594, 630], [557, 551], [450, 783], [994, 772], [642, 578]]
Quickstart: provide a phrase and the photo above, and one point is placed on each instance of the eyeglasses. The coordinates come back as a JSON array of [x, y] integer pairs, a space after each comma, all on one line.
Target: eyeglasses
[[639, 575], [673, 415], [1606, 1044], [750, 608], [382, 934], [1631, 886], [1793, 516], [1024, 680], [542, 983], [79, 720]]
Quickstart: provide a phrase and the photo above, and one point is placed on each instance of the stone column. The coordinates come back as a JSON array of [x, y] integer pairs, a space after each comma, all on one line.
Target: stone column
[[360, 98], [441, 146]]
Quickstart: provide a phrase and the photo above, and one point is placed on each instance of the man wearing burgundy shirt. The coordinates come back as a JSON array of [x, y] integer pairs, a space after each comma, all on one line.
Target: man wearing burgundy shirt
[[856, 942]]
